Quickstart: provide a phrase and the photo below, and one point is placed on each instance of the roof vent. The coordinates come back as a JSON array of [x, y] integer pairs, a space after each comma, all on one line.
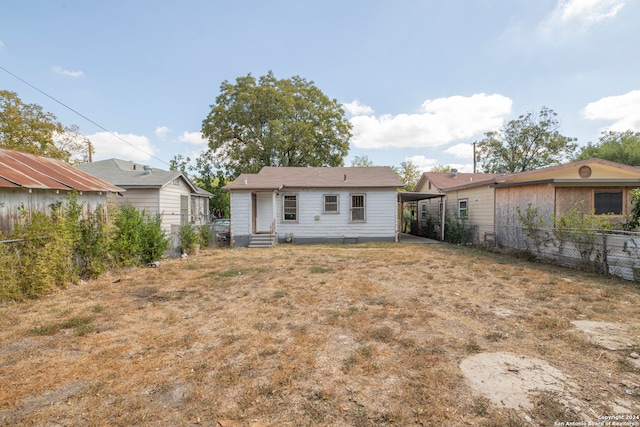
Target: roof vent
[[345, 177], [454, 173], [147, 170], [246, 180]]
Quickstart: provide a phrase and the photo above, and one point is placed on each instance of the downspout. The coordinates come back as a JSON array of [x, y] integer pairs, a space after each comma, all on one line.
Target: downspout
[[444, 209]]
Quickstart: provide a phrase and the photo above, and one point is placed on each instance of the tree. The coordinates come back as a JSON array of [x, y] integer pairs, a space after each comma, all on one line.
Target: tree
[[204, 175], [530, 142], [271, 122], [441, 168], [620, 147], [409, 173], [27, 128], [361, 161]]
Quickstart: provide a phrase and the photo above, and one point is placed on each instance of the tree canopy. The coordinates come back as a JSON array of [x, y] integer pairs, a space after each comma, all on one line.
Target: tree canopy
[[620, 147], [27, 128], [530, 142], [271, 122]]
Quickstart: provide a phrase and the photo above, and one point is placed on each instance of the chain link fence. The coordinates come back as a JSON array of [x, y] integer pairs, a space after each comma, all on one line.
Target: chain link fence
[[615, 253]]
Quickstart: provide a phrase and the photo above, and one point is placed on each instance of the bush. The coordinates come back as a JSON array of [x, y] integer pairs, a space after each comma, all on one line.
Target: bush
[[59, 248], [206, 234], [189, 237]]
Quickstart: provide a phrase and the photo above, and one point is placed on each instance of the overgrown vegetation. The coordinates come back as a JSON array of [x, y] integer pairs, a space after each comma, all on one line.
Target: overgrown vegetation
[[65, 246]]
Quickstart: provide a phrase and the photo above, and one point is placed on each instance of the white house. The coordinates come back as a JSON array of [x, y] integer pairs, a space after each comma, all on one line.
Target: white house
[[314, 204], [169, 194]]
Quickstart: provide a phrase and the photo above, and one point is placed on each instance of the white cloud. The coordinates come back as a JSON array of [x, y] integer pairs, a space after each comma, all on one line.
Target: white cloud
[[162, 131], [439, 122], [356, 108], [195, 138], [588, 10], [421, 162], [74, 74], [461, 151], [623, 110], [576, 16], [108, 145]]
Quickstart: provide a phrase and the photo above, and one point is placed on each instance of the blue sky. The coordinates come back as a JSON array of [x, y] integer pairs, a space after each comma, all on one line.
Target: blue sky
[[419, 79]]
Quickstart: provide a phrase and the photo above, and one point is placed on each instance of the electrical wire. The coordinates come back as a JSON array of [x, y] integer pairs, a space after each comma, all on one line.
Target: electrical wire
[[83, 116]]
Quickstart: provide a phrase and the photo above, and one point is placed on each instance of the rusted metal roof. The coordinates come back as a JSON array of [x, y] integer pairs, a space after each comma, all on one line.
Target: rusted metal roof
[[18, 169]]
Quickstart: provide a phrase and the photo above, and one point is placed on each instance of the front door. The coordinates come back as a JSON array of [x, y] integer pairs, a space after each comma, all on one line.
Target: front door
[[263, 209]]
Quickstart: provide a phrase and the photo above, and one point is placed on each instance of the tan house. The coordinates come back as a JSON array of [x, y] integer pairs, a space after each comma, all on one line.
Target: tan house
[[487, 204], [468, 197]]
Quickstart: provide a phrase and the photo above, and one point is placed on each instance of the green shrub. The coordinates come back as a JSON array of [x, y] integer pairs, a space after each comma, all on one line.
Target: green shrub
[[138, 238], [188, 237], [206, 234], [153, 241]]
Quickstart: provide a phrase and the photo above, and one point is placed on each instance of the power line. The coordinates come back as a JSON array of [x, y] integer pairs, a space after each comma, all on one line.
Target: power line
[[83, 116]]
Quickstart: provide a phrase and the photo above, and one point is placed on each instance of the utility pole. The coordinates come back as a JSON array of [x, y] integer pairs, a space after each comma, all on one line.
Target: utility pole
[[474, 156], [91, 154]]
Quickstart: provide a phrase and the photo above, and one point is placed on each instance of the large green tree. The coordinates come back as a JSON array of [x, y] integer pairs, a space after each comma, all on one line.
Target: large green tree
[[27, 128], [530, 142], [270, 122], [620, 147]]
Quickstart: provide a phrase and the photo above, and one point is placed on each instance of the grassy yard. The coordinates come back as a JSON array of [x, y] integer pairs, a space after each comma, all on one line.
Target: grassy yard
[[338, 335]]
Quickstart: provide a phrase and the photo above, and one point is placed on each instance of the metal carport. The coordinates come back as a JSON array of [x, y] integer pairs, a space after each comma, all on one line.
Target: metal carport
[[413, 197]]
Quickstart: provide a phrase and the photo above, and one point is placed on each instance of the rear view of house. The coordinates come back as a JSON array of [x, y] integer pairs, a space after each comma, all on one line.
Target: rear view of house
[[313, 205]]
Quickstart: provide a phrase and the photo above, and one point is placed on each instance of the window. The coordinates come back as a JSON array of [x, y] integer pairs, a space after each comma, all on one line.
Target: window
[[423, 211], [290, 207], [607, 202], [184, 210], [463, 208], [357, 208], [331, 203]]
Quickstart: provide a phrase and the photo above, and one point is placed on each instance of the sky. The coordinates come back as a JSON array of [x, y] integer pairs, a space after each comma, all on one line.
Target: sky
[[420, 80]]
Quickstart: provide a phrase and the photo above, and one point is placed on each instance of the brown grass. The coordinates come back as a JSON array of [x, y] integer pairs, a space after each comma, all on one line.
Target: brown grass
[[356, 335]]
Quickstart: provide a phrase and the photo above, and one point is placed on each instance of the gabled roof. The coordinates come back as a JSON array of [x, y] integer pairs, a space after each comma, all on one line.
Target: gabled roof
[[568, 173], [127, 174], [556, 175], [18, 169], [276, 178], [445, 181]]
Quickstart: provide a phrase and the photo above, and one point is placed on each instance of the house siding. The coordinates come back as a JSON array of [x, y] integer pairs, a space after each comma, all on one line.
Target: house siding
[[314, 225], [509, 199], [13, 199], [169, 200], [480, 208]]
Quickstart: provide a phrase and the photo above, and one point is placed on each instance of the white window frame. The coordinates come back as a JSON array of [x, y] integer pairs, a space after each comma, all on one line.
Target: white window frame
[[358, 208], [423, 211], [284, 207], [325, 204], [464, 209]]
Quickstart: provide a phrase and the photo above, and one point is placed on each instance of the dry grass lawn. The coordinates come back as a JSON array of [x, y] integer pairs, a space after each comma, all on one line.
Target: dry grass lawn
[[335, 335]]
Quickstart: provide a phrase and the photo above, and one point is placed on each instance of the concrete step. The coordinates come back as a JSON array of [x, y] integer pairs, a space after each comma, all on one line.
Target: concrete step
[[262, 241]]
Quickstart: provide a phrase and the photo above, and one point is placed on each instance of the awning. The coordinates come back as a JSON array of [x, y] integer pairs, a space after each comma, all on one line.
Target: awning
[[410, 196]]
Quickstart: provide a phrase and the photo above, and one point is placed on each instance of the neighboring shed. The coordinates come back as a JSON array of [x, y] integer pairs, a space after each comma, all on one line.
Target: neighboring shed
[[36, 183], [169, 194], [314, 204]]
